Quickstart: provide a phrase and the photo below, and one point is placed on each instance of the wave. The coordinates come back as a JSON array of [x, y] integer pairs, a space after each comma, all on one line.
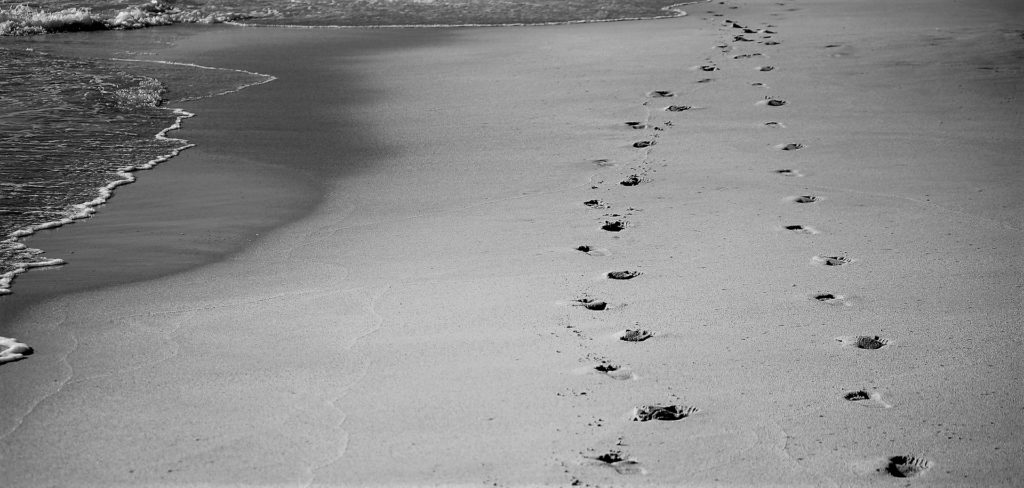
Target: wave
[[26, 20]]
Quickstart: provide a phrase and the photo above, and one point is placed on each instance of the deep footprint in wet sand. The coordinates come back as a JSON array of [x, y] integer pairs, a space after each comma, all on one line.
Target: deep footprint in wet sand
[[793, 146], [804, 199], [662, 412], [622, 275], [621, 463], [615, 226], [631, 180], [907, 466], [772, 102], [635, 335], [12, 350]]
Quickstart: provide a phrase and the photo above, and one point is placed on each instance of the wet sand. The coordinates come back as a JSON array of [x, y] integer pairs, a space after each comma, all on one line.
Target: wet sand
[[803, 275]]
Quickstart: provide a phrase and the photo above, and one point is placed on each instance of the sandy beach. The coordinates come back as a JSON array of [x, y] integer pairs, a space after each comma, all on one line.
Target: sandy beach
[[765, 244]]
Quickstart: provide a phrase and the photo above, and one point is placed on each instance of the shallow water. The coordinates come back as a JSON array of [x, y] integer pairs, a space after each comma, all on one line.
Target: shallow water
[[73, 129]]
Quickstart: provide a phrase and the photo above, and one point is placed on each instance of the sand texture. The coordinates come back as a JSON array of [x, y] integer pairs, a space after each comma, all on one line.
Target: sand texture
[[766, 244]]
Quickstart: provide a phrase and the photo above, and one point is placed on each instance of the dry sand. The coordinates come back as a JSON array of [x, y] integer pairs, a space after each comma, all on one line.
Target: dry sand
[[425, 324]]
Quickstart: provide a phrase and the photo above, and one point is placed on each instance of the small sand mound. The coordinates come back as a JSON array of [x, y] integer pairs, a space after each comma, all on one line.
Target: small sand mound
[[591, 304], [12, 350], [661, 412], [907, 466]]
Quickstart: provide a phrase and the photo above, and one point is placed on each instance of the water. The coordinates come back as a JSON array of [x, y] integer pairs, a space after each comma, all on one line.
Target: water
[[73, 129]]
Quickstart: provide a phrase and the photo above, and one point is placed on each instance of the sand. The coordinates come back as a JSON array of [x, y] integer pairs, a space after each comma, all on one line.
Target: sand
[[414, 313]]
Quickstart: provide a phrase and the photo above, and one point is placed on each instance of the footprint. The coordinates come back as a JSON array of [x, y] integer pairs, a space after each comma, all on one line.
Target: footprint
[[595, 204], [788, 172], [907, 466], [772, 43], [804, 199], [863, 342], [746, 56], [765, 68], [705, 80], [776, 125], [593, 251], [862, 396], [830, 298], [662, 412], [856, 396], [643, 144], [615, 226], [660, 94], [832, 260], [12, 350], [772, 102], [604, 163], [591, 304], [637, 125], [801, 229], [638, 335], [622, 275], [632, 180], [741, 39], [793, 146], [708, 67], [677, 108], [622, 464]]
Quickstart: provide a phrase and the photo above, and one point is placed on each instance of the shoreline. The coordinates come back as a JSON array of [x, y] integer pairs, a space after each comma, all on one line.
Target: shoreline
[[587, 254]]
